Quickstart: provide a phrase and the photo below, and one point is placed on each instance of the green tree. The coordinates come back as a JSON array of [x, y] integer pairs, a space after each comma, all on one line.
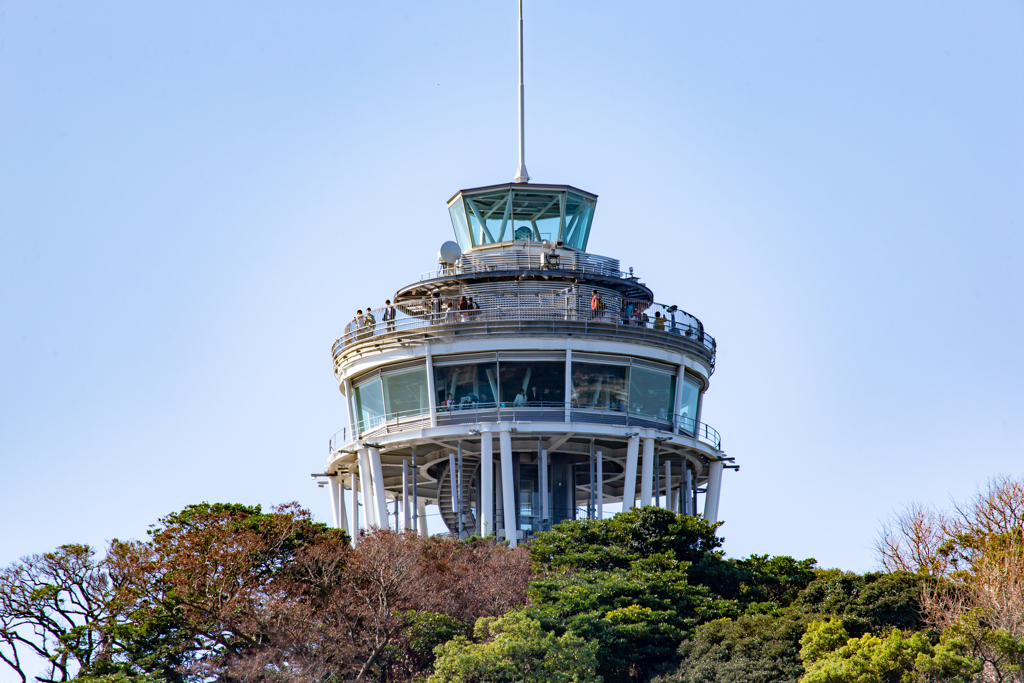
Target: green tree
[[515, 649], [615, 543], [831, 656], [755, 648]]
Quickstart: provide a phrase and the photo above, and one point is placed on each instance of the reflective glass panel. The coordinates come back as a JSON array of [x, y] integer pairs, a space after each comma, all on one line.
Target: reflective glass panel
[[599, 386], [651, 392], [536, 215], [532, 383], [529, 497], [458, 213], [405, 393], [472, 385], [688, 406], [369, 405], [579, 213], [487, 217]]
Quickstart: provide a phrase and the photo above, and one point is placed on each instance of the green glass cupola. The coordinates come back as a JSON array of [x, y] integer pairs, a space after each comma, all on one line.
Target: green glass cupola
[[522, 212]]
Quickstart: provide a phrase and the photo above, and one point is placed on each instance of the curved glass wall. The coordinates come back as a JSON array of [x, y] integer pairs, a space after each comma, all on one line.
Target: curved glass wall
[[405, 392], [516, 384], [369, 402], [507, 213], [466, 385], [596, 385], [688, 404], [651, 392], [525, 383]]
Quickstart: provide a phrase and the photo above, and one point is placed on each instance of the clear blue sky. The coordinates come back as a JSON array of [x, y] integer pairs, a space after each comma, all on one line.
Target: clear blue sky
[[195, 198]]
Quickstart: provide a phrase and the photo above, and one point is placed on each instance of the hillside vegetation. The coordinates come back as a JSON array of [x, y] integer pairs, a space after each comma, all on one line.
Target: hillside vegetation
[[232, 593]]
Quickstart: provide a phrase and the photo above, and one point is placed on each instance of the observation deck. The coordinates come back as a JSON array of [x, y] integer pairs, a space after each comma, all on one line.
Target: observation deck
[[523, 336]]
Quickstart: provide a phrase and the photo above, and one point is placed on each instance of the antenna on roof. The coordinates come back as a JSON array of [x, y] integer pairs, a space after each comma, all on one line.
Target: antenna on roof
[[521, 174]]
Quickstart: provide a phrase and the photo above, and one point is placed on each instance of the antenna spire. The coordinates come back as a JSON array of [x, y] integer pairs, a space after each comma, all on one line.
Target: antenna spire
[[521, 174]]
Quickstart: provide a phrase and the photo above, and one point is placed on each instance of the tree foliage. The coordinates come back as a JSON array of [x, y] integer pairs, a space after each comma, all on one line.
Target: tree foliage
[[515, 649]]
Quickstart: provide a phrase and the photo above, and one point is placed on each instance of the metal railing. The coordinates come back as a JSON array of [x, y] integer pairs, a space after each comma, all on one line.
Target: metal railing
[[529, 256], [637, 320], [537, 411]]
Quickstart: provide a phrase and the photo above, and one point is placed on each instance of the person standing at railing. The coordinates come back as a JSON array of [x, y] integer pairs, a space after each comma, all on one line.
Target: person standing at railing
[[520, 400], [449, 402], [435, 308], [659, 321], [360, 322], [473, 308], [449, 313], [463, 309], [371, 322], [389, 316], [596, 305]]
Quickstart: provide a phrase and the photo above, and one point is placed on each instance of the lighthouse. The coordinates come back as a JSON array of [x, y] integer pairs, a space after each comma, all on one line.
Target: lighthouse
[[523, 381]]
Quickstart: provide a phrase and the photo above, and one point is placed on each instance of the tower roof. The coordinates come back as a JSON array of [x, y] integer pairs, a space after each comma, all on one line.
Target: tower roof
[[521, 211]]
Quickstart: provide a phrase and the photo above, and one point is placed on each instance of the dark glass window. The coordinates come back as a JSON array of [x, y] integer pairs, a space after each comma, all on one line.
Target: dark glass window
[[532, 383]]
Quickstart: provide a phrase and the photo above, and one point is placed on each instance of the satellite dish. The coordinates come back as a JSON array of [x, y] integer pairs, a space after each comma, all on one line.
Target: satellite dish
[[449, 252]]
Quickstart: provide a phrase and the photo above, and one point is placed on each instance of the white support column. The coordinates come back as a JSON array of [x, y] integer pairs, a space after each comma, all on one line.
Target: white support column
[[499, 499], [508, 486], [431, 391], [406, 516], [342, 512], [629, 483], [668, 484], [714, 490], [421, 511], [353, 519], [647, 473], [332, 486], [350, 404], [545, 487], [568, 385], [686, 495], [364, 480], [381, 510], [600, 484], [486, 481]]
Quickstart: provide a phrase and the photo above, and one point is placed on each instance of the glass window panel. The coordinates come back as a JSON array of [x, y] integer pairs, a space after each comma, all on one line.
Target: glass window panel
[[458, 213], [529, 497], [599, 386], [462, 386], [536, 215], [688, 405], [579, 213], [486, 214], [369, 404], [405, 393], [651, 392], [541, 383]]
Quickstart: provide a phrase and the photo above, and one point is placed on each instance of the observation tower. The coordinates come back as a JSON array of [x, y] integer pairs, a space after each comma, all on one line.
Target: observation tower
[[564, 387]]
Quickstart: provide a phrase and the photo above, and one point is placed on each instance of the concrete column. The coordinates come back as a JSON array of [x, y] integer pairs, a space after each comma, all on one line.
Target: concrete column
[[629, 490], [353, 519], [350, 404], [332, 486], [431, 391], [568, 385], [415, 493], [668, 484], [647, 473], [545, 492], [508, 487], [714, 491], [486, 482], [381, 509], [421, 513], [499, 500], [600, 484], [406, 517], [685, 497], [342, 514], [369, 509]]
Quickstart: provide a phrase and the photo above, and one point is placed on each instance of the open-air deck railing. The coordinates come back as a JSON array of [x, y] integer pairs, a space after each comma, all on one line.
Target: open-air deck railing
[[635, 320], [528, 257], [537, 411]]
